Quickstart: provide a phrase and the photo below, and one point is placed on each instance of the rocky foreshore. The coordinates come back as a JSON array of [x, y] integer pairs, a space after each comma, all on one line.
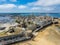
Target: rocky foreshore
[[26, 25]]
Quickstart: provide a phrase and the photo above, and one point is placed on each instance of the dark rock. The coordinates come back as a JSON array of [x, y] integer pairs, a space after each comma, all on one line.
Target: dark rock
[[2, 28]]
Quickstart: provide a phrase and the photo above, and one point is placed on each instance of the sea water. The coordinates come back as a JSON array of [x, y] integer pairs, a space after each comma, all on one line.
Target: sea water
[[5, 17]]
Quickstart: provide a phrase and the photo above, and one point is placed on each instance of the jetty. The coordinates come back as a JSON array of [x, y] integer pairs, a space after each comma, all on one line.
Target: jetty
[[22, 37]]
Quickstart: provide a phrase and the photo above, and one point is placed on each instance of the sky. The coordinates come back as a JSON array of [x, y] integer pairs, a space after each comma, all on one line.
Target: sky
[[26, 6]]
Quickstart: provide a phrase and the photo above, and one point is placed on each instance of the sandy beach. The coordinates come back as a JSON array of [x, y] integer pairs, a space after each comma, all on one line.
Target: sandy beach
[[48, 36]]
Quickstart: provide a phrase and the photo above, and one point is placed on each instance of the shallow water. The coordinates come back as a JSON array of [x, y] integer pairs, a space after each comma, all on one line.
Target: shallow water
[[5, 19]]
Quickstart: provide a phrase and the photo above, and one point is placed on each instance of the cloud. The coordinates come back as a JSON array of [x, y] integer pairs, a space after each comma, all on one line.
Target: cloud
[[22, 6], [42, 9], [35, 8], [7, 6], [48, 8], [45, 5], [45, 2], [12, 8]]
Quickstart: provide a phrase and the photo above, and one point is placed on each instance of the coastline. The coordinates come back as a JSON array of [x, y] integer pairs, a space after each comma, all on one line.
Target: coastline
[[27, 25]]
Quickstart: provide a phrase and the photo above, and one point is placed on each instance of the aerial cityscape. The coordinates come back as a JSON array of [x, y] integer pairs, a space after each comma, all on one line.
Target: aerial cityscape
[[29, 22]]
